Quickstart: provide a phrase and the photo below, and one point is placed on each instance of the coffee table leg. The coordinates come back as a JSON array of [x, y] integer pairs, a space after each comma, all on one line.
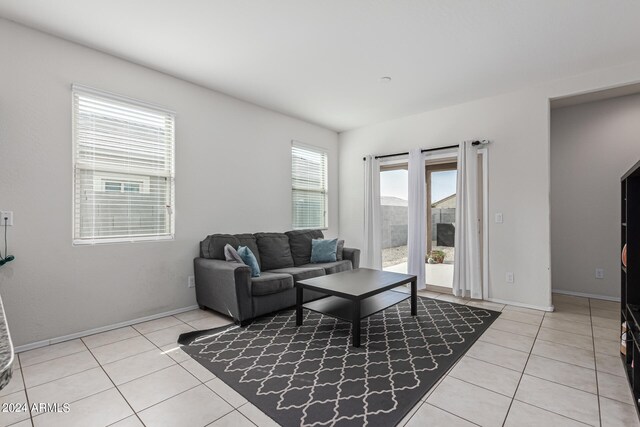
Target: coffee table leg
[[298, 305], [414, 297], [355, 323]]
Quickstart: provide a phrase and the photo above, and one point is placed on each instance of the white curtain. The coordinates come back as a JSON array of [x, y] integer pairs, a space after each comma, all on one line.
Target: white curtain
[[467, 278], [372, 250], [417, 216]]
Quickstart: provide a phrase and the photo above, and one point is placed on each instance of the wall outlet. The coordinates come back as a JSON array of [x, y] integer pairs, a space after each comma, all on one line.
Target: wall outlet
[[499, 218], [509, 277], [599, 273], [8, 215], [191, 282]]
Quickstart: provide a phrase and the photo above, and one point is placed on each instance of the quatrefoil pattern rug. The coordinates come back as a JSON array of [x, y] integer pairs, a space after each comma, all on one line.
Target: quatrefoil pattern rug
[[311, 376]]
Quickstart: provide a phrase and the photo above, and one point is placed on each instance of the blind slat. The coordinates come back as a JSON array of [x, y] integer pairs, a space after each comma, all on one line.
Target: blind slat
[[309, 187]]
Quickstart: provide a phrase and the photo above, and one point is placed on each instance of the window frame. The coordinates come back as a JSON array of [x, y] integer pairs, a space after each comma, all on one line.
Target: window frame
[[323, 151], [103, 176]]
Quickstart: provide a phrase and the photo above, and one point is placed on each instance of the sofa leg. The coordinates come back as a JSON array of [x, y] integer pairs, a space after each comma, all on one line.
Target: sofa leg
[[244, 323], [202, 307]]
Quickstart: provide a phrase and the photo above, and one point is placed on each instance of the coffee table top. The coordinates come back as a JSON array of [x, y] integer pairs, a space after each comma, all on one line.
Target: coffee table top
[[356, 284]]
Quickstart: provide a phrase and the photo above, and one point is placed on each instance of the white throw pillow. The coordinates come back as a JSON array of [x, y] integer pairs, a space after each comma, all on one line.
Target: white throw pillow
[[230, 254]]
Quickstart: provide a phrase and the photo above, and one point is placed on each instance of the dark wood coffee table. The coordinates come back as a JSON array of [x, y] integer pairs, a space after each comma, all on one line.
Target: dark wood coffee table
[[355, 295]]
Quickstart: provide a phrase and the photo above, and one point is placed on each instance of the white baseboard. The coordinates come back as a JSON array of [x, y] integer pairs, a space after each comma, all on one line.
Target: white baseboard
[[582, 294], [88, 332], [520, 304]]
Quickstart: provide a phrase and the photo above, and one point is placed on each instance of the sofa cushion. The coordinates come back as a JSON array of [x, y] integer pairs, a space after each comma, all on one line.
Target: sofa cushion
[[271, 283], [274, 251], [213, 246], [333, 267], [301, 273], [340, 250], [248, 240], [300, 244]]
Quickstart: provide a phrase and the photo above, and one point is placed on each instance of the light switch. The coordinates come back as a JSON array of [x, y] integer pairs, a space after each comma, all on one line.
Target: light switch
[[499, 219]]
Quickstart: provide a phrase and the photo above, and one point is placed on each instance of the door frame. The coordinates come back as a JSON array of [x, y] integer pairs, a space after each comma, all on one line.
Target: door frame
[[484, 153]]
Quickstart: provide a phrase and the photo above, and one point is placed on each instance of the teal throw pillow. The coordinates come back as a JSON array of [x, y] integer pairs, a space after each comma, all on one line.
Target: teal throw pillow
[[323, 250], [250, 259]]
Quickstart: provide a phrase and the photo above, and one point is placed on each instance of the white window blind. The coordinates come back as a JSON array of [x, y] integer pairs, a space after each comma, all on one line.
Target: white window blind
[[309, 186], [123, 169]]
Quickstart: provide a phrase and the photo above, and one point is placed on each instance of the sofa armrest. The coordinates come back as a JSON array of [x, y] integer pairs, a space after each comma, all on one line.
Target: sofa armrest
[[352, 255], [224, 287]]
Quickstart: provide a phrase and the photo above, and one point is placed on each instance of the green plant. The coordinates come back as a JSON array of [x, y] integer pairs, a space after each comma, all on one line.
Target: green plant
[[436, 257]]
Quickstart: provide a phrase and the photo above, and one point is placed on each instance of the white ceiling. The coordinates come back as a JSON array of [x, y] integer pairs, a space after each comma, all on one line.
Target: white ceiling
[[322, 60]]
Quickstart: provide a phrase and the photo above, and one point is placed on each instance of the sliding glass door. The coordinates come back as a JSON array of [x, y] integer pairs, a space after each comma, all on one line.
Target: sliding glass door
[[441, 177], [441, 180], [394, 188]]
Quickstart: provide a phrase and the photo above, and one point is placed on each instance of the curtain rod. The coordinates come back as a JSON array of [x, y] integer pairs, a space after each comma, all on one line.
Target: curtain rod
[[425, 150]]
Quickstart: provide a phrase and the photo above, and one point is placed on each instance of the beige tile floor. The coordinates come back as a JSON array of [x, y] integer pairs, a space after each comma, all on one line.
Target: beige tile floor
[[529, 368]]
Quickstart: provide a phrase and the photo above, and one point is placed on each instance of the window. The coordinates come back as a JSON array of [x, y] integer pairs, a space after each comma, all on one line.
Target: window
[[123, 169], [309, 186]]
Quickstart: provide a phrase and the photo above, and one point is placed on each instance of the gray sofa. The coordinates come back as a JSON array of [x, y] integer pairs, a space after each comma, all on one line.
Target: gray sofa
[[284, 258]]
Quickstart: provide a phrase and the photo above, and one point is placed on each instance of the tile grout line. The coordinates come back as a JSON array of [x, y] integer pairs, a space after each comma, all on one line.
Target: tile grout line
[[451, 413], [250, 420], [423, 401], [523, 323], [522, 374], [483, 387], [571, 345], [54, 358], [189, 372], [564, 385], [81, 339], [26, 395], [160, 329], [491, 363], [117, 389], [500, 345], [595, 365], [553, 412], [556, 360], [62, 377], [412, 412], [235, 410], [101, 365], [146, 375], [113, 342]]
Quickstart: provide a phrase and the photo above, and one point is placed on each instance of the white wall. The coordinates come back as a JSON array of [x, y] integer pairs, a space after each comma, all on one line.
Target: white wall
[[592, 146], [233, 174], [517, 123]]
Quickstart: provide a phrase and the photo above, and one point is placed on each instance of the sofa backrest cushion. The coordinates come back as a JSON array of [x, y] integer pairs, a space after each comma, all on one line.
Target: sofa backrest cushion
[[213, 246], [340, 250], [300, 244], [204, 247], [274, 251]]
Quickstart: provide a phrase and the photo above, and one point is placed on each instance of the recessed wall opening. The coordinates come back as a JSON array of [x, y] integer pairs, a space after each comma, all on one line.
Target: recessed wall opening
[[595, 139]]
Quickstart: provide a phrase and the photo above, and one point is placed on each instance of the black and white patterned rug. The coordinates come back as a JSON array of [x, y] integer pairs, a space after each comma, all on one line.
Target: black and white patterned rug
[[311, 376]]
